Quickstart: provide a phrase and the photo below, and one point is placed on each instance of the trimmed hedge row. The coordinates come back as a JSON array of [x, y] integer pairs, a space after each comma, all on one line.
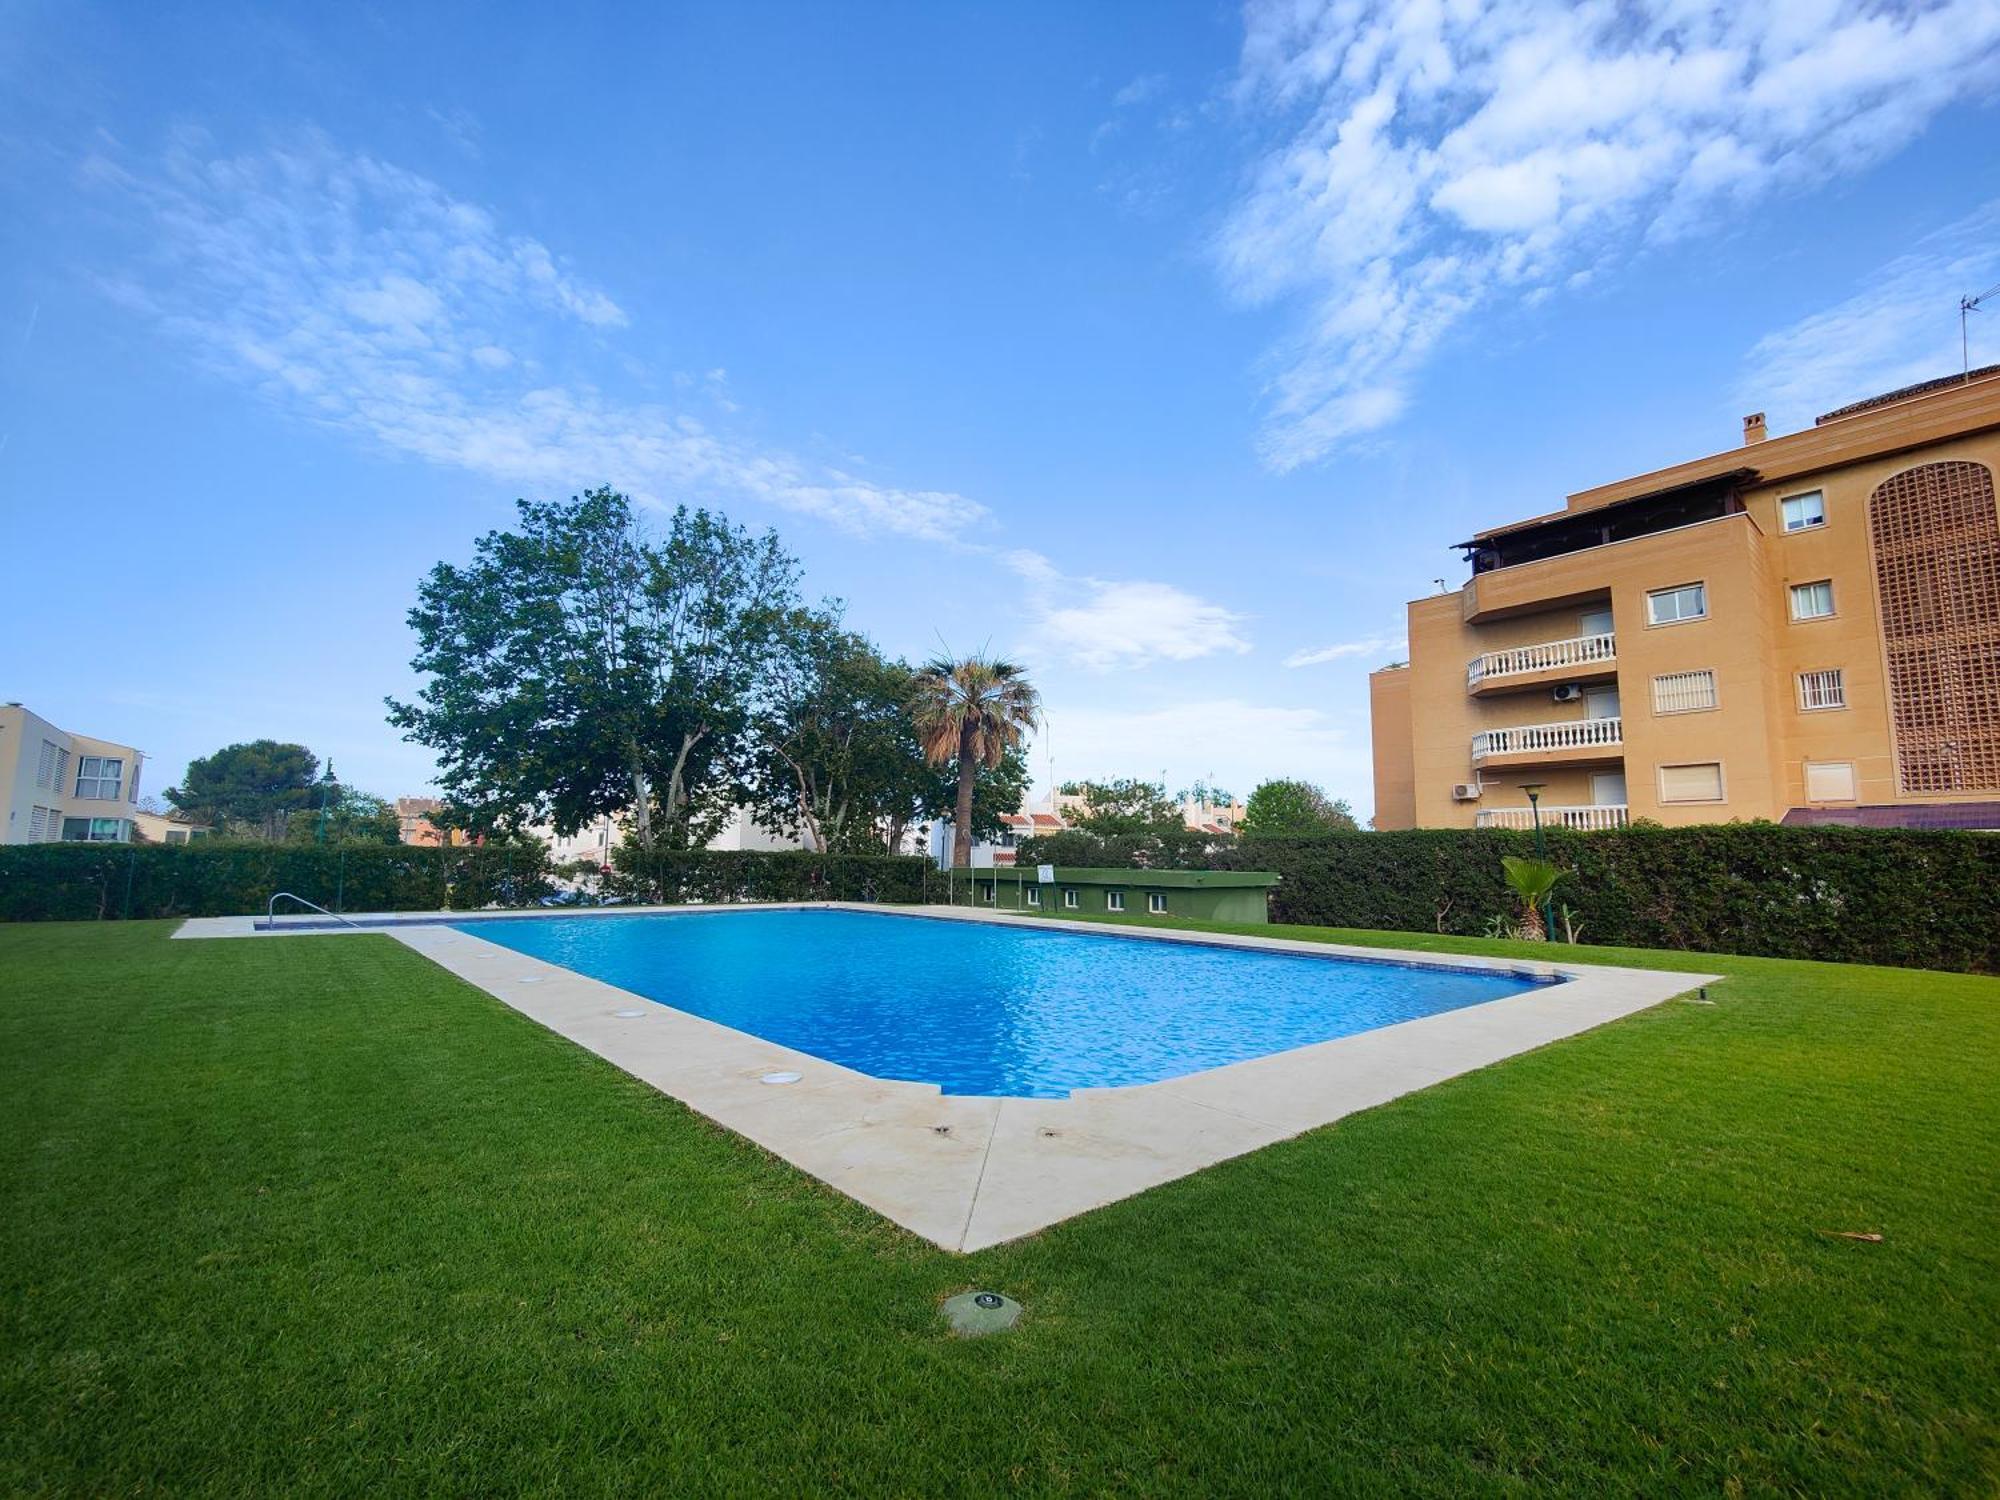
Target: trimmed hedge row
[[78, 882], [1911, 898], [673, 876]]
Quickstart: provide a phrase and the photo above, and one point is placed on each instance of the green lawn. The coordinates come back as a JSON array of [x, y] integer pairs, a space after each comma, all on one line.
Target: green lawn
[[313, 1217]]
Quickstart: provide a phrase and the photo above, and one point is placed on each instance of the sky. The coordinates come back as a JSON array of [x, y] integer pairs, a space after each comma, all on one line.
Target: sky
[[1165, 348]]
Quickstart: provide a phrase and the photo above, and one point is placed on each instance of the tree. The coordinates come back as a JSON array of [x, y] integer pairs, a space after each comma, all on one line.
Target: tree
[[969, 714], [250, 787], [1532, 880], [1294, 809], [580, 668], [352, 817], [1125, 806]]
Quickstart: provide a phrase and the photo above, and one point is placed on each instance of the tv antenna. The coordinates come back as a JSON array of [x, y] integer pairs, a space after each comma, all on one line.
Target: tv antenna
[[1967, 306]]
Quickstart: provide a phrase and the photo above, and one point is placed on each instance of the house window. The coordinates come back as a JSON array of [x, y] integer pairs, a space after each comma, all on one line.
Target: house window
[[1823, 689], [1114, 901], [99, 777], [1156, 903], [1803, 512], [93, 830], [175, 836], [1069, 900], [1830, 781], [1812, 601], [1034, 895], [53, 769], [1671, 606], [1701, 782], [986, 891], [44, 825], [1683, 692]]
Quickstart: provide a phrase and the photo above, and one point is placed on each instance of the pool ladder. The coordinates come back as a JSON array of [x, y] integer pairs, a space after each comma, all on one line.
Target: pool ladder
[[271, 911]]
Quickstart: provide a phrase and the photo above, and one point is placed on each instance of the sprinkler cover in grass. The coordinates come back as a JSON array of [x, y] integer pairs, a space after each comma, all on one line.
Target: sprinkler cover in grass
[[976, 1313]]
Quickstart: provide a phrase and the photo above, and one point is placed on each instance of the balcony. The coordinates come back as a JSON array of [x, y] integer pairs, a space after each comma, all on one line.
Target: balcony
[[1603, 815], [1572, 740], [1577, 659]]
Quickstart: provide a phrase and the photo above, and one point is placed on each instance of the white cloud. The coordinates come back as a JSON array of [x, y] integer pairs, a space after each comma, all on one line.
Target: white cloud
[[1341, 651], [1104, 624], [1139, 90], [1443, 157], [358, 295], [1236, 742], [1900, 328]]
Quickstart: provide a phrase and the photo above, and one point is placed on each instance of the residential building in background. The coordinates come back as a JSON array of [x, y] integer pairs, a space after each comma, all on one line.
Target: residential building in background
[[61, 786], [1805, 629], [168, 827], [413, 821]]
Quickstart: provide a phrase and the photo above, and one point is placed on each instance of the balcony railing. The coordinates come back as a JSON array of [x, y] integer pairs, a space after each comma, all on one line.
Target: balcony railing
[[1602, 815], [1570, 734], [1544, 656]]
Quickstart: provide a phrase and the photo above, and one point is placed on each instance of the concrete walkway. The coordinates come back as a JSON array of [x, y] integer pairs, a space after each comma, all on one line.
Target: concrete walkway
[[964, 1172]]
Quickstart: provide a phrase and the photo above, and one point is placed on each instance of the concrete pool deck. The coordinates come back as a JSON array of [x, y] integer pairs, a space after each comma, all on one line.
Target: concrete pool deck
[[966, 1172]]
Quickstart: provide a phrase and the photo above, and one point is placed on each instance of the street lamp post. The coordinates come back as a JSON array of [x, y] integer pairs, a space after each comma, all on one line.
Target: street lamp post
[[326, 785]]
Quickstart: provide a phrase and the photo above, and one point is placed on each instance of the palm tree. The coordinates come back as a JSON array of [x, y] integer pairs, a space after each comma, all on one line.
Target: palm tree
[[972, 711], [1531, 880]]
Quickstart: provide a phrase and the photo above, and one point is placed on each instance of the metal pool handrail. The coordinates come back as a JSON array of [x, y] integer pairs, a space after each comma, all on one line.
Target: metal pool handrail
[[271, 911]]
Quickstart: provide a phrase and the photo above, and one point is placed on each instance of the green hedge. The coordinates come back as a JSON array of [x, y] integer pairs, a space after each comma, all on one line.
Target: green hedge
[[72, 882], [678, 875], [1916, 899]]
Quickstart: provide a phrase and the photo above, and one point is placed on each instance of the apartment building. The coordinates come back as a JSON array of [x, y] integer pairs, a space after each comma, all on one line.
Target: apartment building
[[63, 786], [1805, 628]]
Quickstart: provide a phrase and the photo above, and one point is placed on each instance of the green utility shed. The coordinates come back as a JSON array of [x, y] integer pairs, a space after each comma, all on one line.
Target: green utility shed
[[1203, 895]]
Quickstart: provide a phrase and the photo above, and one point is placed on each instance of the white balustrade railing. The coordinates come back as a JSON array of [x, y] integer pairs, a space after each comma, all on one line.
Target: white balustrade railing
[[1569, 734], [1543, 656], [1602, 815]]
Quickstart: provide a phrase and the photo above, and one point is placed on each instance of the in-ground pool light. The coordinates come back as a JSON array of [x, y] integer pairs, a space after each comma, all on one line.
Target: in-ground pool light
[[784, 1076], [628, 1015]]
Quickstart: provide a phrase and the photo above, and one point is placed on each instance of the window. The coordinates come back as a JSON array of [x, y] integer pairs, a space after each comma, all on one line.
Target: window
[[1114, 901], [44, 825], [1069, 900], [1156, 902], [1671, 606], [175, 836], [1822, 689], [1034, 895], [1830, 781], [1803, 512], [1683, 692], [99, 777], [1695, 783], [986, 891], [93, 830], [1812, 601], [53, 769]]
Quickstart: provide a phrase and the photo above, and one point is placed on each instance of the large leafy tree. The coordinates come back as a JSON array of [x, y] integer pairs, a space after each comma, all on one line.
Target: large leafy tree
[[580, 667], [969, 714], [248, 788], [1294, 809], [1125, 806]]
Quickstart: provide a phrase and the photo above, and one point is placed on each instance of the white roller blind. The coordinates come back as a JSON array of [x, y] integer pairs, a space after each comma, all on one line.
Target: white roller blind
[[1696, 783]]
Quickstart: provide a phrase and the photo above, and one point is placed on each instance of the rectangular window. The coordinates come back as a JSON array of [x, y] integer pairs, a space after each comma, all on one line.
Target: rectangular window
[[986, 892], [49, 772], [1694, 783], [1114, 901], [176, 836], [1823, 689], [1034, 895], [1803, 512], [93, 830], [1830, 781], [1683, 692], [1812, 601], [1156, 902], [1069, 900], [44, 825], [99, 777], [1671, 606]]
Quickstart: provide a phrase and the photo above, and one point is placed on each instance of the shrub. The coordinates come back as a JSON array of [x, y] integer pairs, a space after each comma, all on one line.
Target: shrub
[[672, 876], [1913, 898]]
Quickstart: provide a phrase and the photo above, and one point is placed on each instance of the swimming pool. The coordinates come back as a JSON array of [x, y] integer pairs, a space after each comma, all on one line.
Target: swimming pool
[[989, 1009]]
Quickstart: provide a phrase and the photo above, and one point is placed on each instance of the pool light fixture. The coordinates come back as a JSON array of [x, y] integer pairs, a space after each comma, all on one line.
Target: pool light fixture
[[782, 1076]]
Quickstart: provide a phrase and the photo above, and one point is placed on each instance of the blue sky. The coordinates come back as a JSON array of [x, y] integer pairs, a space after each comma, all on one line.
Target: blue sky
[[1166, 348]]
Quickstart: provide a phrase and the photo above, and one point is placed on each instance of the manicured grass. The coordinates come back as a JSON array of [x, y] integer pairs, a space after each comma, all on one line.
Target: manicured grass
[[310, 1216]]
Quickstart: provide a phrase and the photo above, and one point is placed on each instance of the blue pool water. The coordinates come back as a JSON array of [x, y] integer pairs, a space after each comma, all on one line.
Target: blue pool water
[[990, 1009]]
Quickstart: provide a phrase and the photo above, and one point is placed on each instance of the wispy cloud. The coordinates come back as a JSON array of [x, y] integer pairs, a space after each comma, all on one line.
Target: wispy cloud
[[1104, 624], [1146, 86], [1447, 157], [1374, 645], [356, 294], [1901, 327]]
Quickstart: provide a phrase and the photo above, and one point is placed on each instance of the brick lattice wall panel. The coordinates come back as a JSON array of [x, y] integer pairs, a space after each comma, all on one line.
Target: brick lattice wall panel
[[1937, 575]]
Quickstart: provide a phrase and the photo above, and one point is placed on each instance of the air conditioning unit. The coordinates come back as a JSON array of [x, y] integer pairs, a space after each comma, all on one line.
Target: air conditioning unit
[[1569, 692], [1465, 791]]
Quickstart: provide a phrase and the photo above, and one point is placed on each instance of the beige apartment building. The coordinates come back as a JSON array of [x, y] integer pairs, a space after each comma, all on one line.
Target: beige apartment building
[[1804, 629], [63, 786]]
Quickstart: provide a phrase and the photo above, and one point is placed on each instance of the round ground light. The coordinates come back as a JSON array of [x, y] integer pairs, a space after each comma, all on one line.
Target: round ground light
[[974, 1314]]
